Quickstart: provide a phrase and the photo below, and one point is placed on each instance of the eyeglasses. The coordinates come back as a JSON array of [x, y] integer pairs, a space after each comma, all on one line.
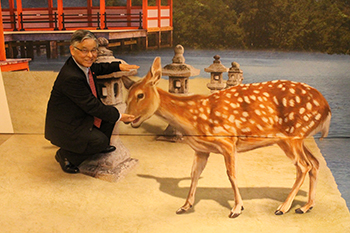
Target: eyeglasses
[[86, 51]]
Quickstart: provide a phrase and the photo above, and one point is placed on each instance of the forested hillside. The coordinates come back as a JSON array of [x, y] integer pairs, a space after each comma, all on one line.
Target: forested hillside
[[304, 25]]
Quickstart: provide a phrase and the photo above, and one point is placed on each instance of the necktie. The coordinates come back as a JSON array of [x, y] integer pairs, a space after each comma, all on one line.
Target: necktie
[[97, 121]]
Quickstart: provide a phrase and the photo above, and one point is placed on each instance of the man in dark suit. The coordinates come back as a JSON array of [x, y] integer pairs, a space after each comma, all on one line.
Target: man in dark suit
[[76, 120]]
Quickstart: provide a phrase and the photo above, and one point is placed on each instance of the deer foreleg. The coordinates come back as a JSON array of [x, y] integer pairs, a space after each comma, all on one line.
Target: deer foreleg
[[199, 163], [230, 162]]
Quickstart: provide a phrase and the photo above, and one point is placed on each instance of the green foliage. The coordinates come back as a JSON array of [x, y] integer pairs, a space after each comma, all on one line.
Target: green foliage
[[307, 25]]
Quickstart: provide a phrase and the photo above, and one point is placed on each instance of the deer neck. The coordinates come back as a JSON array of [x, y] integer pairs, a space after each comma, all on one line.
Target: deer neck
[[174, 109]]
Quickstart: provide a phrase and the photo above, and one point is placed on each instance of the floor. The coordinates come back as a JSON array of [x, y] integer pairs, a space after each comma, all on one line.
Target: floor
[[38, 197]]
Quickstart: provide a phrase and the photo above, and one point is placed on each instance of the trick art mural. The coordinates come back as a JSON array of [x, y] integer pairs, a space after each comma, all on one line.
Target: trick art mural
[[238, 119]]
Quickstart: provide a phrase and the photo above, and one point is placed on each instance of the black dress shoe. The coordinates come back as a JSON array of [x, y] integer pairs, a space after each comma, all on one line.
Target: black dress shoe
[[108, 149], [65, 164]]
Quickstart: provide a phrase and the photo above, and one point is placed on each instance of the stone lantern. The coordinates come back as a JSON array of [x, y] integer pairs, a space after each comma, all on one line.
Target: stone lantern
[[235, 75], [216, 75], [179, 74], [110, 86]]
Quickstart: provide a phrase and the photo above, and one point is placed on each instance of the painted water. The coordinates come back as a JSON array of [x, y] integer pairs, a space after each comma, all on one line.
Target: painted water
[[330, 74]]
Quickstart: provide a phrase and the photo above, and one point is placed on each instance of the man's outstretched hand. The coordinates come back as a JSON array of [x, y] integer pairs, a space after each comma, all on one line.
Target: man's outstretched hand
[[127, 67], [126, 118]]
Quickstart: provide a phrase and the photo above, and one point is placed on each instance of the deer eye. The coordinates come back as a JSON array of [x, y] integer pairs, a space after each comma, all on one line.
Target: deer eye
[[140, 96]]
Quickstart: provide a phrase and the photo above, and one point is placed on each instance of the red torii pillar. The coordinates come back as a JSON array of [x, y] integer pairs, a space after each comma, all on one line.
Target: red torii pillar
[[2, 39]]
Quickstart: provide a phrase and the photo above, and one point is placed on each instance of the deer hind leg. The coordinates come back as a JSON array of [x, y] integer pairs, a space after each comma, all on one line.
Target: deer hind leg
[[199, 163], [231, 172], [294, 149], [312, 183]]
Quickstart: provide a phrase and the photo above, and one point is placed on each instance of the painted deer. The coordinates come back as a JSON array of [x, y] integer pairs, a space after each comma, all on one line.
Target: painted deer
[[239, 119]]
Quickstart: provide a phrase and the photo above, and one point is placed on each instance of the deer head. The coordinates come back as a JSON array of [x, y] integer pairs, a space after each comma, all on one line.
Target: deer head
[[143, 98]]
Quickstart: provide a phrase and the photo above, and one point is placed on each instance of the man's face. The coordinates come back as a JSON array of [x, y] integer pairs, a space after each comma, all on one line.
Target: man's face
[[85, 53]]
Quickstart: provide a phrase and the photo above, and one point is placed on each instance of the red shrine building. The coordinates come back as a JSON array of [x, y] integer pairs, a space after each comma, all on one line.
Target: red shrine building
[[28, 25]]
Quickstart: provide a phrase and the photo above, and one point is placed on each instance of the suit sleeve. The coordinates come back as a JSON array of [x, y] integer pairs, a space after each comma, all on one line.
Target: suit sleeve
[[105, 68], [78, 91]]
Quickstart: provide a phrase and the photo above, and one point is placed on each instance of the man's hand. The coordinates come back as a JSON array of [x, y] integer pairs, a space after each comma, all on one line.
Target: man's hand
[[126, 118], [127, 67]]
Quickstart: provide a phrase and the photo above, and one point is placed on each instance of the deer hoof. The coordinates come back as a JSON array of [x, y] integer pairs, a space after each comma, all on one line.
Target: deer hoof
[[278, 212], [181, 211], [300, 211], [234, 215]]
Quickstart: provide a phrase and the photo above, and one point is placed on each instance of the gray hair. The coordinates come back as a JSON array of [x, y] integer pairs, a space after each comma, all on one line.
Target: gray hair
[[81, 35]]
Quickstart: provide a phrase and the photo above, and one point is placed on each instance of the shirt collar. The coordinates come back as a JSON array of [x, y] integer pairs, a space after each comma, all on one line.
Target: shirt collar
[[83, 68]]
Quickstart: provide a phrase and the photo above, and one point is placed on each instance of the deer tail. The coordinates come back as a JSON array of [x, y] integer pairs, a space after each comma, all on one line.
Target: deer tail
[[325, 126]]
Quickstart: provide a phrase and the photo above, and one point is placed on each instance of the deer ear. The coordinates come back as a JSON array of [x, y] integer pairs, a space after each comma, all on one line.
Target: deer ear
[[156, 71], [127, 82]]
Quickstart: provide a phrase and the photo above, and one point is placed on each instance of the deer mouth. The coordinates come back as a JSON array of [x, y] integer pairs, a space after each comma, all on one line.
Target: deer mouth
[[135, 123]]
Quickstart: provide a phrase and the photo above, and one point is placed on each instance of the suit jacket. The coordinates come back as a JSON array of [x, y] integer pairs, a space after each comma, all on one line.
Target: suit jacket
[[72, 106]]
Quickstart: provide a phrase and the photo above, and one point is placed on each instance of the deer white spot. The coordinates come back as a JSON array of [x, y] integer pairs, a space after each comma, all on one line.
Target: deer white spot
[[316, 103], [251, 121], [261, 106], [240, 99], [309, 106], [265, 119], [228, 95], [301, 110], [266, 94], [292, 90], [238, 123], [257, 112], [303, 92], [231, 118], [284, 102], [245, 114], [243, 119], [195, 117], [275, 100], [246, 99], [312, 123], [291, 103], [256, 91], [275, 81], [291, 116], [217, 113], [236, 112], [236, 94], [318, 116], [234, 105], [280, 85], [246, 130], [270, 109], [280, 121], [192, 103], [253, 97], [260, 127], [203, 116], [201, 109], [260, 99], [297, 99], [306, 118]]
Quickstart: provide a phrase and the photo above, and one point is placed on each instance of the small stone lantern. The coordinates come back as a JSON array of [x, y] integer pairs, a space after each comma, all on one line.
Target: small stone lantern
[[216, 75], [109, 86], [235, 75], [179, 74]]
